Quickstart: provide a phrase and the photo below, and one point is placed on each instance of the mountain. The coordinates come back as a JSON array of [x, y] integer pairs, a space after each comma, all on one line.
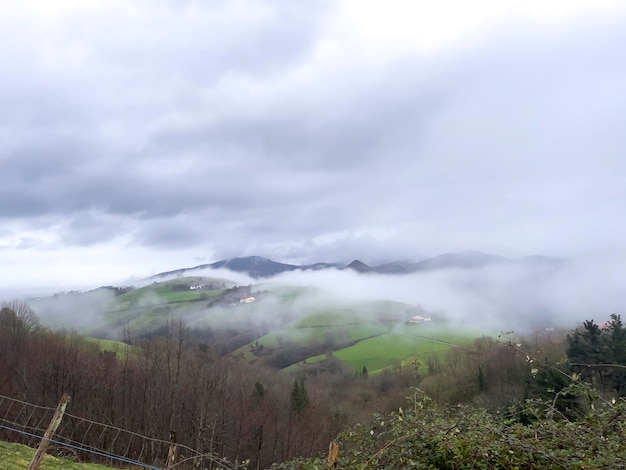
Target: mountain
[[359, 266], [259, 267], [466, 259], [255, 266], [318, 266], [394, 267]]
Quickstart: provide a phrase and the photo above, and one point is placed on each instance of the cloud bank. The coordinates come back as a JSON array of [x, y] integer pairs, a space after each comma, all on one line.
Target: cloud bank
[[138, 137]]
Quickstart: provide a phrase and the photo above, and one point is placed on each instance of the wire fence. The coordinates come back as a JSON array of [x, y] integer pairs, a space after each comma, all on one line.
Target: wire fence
[[84, 440]]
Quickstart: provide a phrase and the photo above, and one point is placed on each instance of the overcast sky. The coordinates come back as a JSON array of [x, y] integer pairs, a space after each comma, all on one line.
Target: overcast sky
[[138, 136]]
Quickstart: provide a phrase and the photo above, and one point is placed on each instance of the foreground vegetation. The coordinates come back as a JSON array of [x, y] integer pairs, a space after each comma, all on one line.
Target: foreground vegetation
[[552, 399], [18, 456], [531, 435]]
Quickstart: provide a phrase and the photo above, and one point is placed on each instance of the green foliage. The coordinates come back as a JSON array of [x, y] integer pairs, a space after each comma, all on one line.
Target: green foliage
[[405, 341], [457, 437], [299, 398], [18, 456], [258, 392], [598, 355]]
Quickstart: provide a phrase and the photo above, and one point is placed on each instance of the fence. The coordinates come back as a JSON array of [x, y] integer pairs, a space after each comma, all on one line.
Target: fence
[[84, 440]]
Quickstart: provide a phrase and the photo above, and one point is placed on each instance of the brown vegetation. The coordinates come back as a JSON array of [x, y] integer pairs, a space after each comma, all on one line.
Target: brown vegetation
[[181, 380]]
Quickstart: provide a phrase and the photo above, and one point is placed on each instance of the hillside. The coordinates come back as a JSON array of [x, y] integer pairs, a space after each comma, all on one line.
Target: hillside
[[276, 371], [280, 326]]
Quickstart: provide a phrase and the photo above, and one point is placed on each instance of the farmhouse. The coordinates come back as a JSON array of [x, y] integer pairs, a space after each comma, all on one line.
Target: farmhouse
[[418, 319]]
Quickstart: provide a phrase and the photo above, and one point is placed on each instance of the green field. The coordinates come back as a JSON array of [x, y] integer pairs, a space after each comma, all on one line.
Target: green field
[[359, 333], [158, 294], [120, 349], [150, 306], [372, 334], [399, 346], [405, 341], [329, 326], [18, 456]]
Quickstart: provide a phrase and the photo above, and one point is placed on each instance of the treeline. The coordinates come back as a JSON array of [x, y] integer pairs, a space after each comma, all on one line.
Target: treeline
[[532, 435], [552, 400], [215, 404], [182, 380]]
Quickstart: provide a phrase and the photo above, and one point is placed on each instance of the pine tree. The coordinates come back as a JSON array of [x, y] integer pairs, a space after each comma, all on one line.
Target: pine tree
[[299, 397]]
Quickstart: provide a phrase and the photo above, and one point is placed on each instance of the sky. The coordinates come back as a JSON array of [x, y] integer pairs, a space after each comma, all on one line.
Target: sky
[[143, 136]]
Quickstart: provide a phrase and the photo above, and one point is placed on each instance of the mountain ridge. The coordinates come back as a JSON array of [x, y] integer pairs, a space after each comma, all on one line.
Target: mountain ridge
[[261, 267]]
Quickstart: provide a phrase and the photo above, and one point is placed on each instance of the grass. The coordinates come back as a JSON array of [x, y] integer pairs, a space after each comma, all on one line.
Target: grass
[[344, 333], [158, 294], [18, 456], [120, 349], [150, 306], [404, 342], [375, 331]]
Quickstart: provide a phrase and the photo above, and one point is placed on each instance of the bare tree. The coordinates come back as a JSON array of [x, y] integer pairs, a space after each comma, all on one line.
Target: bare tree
[[18, 314]]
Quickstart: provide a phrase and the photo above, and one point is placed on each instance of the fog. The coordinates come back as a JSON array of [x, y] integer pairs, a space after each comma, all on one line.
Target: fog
[[518, 296], [138, 136]]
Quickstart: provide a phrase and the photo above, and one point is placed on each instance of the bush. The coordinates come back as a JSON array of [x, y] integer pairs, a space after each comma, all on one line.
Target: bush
[[458, 437]]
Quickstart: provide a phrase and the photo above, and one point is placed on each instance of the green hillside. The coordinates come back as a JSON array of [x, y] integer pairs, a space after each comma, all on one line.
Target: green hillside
[[373, 334], [405, 341], [286, 327], [150, 306]]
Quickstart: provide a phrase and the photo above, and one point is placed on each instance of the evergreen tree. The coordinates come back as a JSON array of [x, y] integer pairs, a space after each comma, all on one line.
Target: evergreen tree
[[299, 397], [587, 346], [590, 347], [258, 392], [615, 334], [482, 386]]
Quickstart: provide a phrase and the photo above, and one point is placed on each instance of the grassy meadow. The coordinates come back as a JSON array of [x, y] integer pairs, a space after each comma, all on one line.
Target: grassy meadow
[[371, 334], [18, 456]]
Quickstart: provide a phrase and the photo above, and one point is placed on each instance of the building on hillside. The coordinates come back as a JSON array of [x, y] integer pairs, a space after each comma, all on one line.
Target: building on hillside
[[418, 319]]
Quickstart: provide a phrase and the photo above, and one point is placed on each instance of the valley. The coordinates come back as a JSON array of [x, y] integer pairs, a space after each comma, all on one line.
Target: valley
[[266, 371]]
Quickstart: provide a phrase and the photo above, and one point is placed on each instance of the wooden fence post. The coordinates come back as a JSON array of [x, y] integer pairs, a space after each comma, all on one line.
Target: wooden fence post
[[333, 454], [171, 452], [52, 427]]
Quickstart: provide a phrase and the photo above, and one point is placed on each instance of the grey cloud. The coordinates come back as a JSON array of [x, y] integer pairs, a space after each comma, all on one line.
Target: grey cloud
[[26, 243], [196, 130], [173, 234], [89, 228]]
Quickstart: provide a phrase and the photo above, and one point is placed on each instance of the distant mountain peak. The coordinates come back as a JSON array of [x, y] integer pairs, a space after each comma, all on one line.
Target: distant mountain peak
[[359, 266], [261, 267], [255, 266]]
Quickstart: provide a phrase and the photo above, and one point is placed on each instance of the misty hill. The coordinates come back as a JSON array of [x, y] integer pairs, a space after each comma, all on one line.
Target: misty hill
[[260, 267], [359, 266], [254, 266], [280, 326], [466, 259], [394, 267]]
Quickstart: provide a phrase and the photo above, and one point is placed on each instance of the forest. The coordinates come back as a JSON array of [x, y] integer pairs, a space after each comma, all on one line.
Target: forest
[[181, 380]]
